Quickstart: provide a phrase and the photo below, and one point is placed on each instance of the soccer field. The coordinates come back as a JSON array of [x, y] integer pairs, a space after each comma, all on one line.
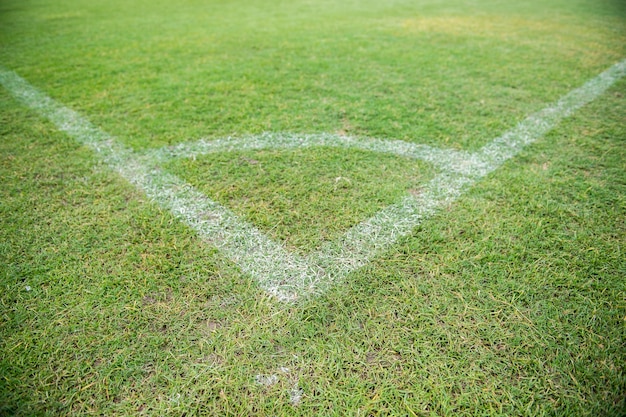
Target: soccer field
[[312, 208]]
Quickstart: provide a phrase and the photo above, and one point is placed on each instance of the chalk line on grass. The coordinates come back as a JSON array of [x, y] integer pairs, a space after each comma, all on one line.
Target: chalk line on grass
[[255, 254], [459, 171], [266, 380], [538, 124], [295, 393], [283, 274], [445, 159], [374, 235]]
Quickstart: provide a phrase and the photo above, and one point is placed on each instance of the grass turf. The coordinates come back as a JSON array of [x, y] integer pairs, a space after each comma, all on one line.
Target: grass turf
[[510, 302]]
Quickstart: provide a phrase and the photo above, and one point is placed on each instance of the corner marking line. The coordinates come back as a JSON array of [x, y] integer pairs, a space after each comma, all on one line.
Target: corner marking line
[[285, 275]]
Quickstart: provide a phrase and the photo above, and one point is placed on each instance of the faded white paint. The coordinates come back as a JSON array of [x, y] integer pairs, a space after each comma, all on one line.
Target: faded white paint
[[266, 380], [295, 396], [285, 275], [295, 393]]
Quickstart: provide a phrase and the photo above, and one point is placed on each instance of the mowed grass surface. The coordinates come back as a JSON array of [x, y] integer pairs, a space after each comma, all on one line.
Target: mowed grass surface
[[510, 302], [304, 197]]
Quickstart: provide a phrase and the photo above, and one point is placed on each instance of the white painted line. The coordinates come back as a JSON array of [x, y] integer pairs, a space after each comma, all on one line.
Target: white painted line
[[295, 396], [279, 272], [445, 159], [285, 275], [375, 235], [295, 393], [266, 380], [535, 126]]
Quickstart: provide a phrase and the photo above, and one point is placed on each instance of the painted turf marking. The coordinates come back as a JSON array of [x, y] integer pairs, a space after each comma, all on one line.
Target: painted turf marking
[[286, 275], [445, 159], [295, 393]]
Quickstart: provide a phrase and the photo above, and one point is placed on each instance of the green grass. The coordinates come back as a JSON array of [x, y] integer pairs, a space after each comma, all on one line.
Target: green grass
[[510, 302], [304, 197]]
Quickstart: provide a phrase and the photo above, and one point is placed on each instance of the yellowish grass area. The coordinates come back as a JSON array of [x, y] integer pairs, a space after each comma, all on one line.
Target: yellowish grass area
[[568, 37]]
